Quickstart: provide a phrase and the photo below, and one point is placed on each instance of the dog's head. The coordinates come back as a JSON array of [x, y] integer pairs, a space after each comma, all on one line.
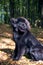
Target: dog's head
[[20, 26]]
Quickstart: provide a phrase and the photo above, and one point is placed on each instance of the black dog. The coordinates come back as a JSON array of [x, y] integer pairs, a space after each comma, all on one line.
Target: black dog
[[26, 43]]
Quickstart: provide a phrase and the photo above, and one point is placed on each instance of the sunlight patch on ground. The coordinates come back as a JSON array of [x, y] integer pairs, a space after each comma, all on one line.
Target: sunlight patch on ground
[[25, 61], [7, 43], [3, 56], [40, 39]]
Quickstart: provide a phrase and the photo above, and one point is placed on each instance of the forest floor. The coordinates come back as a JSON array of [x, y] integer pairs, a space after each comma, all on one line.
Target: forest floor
[[7, 46]]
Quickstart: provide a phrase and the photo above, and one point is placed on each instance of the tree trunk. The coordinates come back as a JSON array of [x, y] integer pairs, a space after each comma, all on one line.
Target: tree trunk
[[11, 7]]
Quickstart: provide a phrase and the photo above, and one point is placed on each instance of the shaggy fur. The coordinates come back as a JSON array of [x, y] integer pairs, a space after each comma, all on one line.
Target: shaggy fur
[[26, 43]]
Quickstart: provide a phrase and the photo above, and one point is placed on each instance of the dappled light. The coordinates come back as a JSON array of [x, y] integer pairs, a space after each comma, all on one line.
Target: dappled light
[[40, 39], [4, 31], [6, 43], [17, 18], [7, 46], [8, 34], [3, 56]]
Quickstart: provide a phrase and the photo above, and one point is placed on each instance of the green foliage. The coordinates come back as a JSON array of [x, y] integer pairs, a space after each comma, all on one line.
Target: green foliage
[[17, 8]]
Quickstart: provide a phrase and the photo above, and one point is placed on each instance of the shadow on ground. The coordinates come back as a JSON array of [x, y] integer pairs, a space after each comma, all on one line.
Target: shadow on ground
[[7, 46]]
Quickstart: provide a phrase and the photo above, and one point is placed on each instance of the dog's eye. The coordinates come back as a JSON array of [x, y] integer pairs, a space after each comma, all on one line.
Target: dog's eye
[[22, 25]]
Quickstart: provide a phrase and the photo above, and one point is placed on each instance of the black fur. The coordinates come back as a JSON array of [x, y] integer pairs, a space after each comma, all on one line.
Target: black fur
[[26, 43]]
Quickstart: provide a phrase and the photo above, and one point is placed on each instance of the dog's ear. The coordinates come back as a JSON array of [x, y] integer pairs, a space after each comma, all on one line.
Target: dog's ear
[[13, 21]]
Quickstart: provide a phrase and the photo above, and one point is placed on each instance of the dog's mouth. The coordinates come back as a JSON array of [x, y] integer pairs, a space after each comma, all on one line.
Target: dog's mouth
[[21, 29], [21, 32]]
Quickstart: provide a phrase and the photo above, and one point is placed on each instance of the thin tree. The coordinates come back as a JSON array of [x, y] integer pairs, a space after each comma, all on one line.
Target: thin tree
[[11, 8]]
